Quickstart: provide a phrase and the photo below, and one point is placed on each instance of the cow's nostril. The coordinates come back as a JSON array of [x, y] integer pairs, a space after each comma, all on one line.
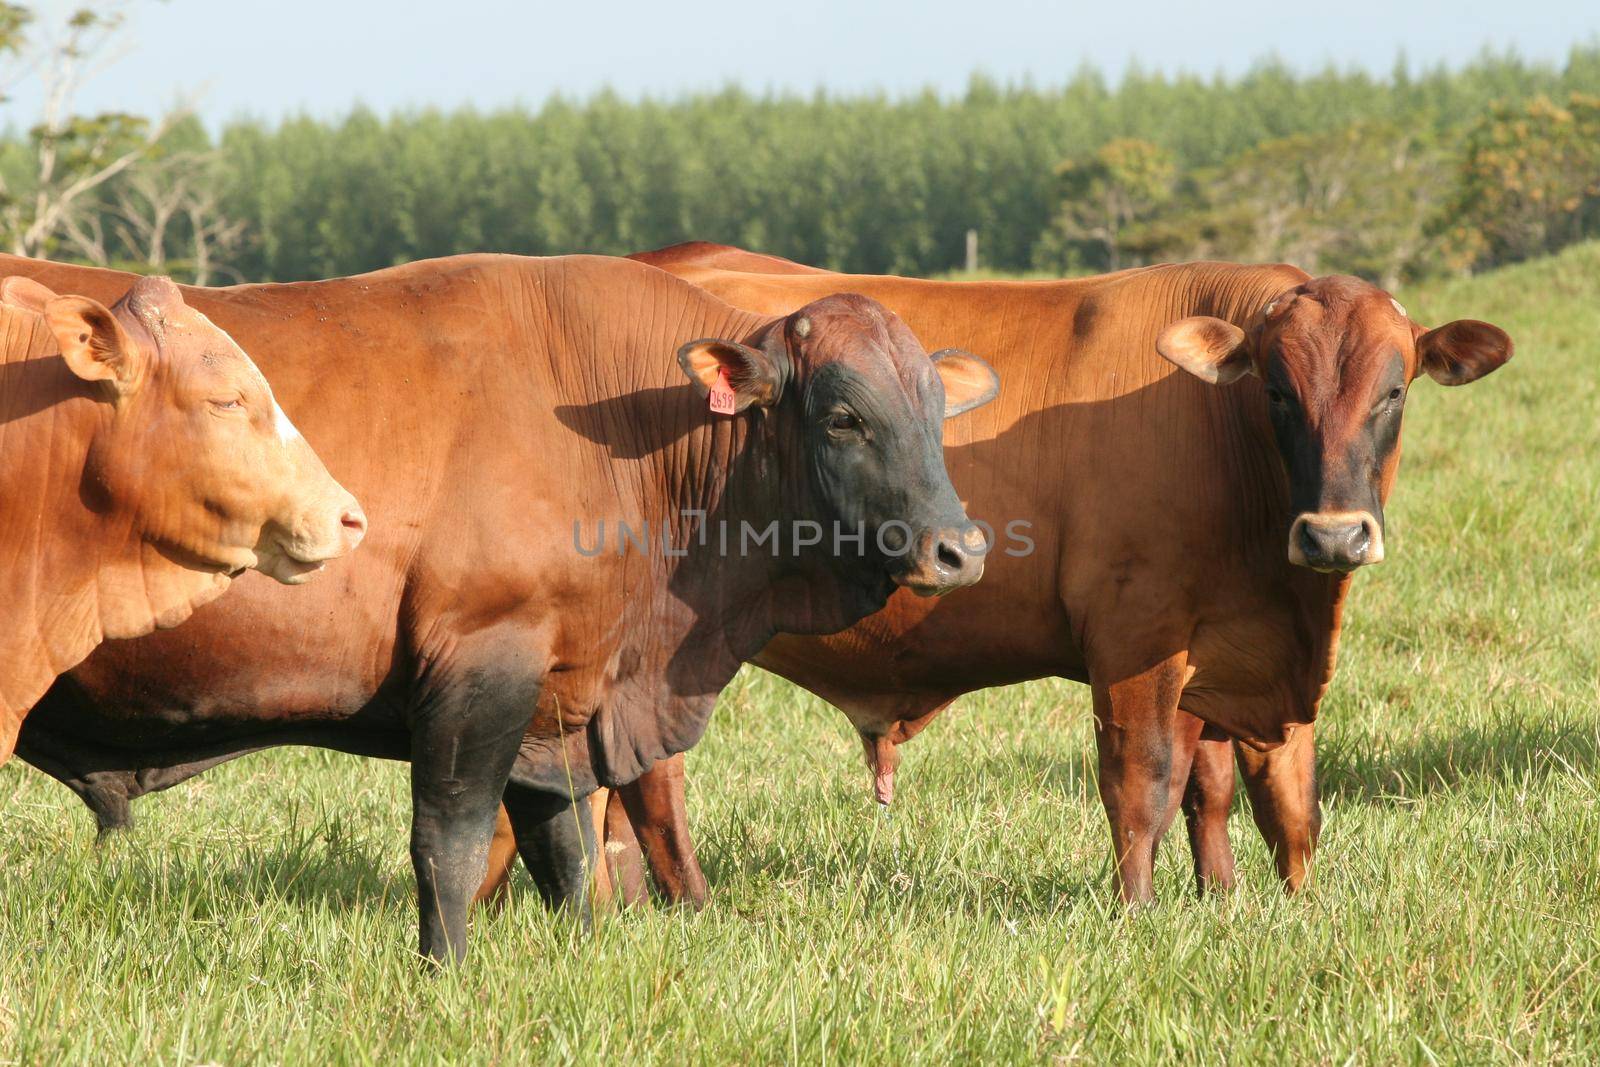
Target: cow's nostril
[[1358, 542], [1308, 542], [951, 556], [354, 522], [1330, 543]]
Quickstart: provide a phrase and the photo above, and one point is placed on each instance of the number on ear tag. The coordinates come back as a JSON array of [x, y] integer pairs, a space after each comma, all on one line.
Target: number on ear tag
[[723, 402]]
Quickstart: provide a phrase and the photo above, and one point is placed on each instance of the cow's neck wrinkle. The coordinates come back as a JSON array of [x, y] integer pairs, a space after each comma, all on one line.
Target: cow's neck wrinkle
[[46, 422], [725, 489], [73, 576], [748, 475], [1237, 294]]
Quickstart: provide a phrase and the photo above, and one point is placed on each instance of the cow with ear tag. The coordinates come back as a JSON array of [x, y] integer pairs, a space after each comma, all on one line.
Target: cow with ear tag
[[146, 464], [601, 490], [870, 468]]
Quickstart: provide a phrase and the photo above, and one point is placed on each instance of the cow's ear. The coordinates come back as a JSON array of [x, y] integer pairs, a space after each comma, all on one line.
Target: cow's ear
[[969, 382], [751, 373], [1462, 351], [25, 293], [1210, 349], [94, 344]]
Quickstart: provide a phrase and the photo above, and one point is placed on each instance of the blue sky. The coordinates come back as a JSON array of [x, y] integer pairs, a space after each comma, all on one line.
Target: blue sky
[[322, 56]]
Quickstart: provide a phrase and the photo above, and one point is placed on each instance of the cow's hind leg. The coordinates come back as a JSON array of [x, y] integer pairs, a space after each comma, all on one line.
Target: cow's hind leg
[[1201, 786], [1185, 738], [659, 817], [621, 868], [464, 739], [1207, 799], [1282, 785], [1135, 716], [496, 886]]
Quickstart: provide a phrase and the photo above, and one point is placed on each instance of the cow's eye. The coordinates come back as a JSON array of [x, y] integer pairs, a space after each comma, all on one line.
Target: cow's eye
[[232, 403], [1396, 393], [1274, 395], [843, 422]]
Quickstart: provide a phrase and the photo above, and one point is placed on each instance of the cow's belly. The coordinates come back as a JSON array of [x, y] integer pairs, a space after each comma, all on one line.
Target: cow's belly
[[264, 655], [158, 714], [909, 660]]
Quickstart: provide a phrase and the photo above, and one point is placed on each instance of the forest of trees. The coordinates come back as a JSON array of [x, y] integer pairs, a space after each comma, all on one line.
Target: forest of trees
[[1391, 177]]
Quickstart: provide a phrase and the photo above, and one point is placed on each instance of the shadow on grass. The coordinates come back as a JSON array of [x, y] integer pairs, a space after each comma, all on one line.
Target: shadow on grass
[[905, 866], [322, 865], [1368, 771], [311, 867], [1364, 769], [1069, 772], [875, 883], [301, 876]]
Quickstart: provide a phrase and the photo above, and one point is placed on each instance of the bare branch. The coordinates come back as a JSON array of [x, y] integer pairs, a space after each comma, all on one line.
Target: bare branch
[[75, 156]]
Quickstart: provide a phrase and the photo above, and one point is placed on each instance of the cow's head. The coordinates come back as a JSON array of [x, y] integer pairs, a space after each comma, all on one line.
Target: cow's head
[[860, 397], [193, 451], [1335, 357]]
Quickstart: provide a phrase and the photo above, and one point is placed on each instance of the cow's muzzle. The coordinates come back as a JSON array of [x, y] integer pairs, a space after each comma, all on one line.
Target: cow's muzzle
[[942, 561], [326, 534], [1335, 541]]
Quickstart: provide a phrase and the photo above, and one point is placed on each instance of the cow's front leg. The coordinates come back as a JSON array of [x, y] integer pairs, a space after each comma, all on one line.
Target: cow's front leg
[[464, 739], [1134, 720], [555, 836], [1207, 800], [618, 876], [655, 805], [1282, 784]]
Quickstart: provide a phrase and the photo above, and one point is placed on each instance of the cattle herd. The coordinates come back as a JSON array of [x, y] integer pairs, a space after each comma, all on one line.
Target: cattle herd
[[591, 488]]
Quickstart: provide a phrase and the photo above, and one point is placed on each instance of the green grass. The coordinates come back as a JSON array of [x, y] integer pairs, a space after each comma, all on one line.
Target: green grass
[[264, 912]]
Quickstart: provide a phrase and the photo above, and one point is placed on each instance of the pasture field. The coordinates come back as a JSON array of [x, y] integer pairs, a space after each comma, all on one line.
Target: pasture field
[[263, 913]]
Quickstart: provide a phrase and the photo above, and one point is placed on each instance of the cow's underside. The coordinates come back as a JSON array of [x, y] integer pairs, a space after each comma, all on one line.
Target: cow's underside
[[108, 766], [109, 775]]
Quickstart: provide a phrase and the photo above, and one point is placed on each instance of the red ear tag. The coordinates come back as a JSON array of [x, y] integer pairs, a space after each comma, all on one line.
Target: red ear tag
[[722, 399]]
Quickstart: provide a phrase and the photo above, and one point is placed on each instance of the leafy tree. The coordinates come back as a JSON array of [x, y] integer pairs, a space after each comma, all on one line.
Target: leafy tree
[[1361, 199], [1337, 170], [1122, 183], [1531, 178]]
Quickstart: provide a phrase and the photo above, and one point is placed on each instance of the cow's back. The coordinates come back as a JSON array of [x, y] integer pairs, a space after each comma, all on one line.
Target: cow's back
[[688, 256]]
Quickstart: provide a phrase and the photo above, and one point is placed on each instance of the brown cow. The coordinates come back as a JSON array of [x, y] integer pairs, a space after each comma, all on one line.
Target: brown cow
[[146, 465], [1194, 532], [546, 603]]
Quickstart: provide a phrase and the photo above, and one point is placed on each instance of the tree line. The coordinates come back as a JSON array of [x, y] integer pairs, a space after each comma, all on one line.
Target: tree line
[[1391, 177]]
